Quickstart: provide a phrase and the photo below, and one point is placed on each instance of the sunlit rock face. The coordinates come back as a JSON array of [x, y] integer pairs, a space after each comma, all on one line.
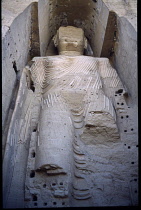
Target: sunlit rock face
[[71, 140]]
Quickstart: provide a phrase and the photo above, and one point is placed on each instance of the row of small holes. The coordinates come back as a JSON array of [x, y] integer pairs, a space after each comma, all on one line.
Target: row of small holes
[[119, 94], [54, 203], [130, 147], [126, 117], [34, 198], [121, 103], [45, 204], [123, 117], [131, 130], [53, 184]]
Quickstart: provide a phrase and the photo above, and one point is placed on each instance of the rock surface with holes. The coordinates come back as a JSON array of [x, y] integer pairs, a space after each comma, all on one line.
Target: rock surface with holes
[[72, 139], [78, 95]]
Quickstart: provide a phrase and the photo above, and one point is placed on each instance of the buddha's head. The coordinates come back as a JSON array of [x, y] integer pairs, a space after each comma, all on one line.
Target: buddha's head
[[70, 41]]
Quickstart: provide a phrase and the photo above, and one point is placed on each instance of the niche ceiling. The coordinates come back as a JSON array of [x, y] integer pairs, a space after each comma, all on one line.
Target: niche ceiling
[[71, 12], [90, 15]]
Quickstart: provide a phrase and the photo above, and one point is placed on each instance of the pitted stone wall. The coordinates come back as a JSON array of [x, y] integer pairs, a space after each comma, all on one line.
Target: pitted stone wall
[[19, 45], [15, 54], [110, 167], [126, 58]]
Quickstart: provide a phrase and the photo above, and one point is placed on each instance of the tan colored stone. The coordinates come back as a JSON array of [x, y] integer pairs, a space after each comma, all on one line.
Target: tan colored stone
[[72, 138], [70, 41]]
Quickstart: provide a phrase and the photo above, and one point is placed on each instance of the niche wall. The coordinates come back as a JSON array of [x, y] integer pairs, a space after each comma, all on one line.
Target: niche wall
[[19, 44], [90, 15]]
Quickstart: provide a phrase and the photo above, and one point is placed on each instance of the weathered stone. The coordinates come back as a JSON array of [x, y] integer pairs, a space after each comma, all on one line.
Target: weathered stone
[[72, 137], [100, 128], [70, 41]]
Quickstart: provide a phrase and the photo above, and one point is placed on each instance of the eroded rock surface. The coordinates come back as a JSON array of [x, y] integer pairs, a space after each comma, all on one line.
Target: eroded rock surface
[[76, 95], [73, 124]]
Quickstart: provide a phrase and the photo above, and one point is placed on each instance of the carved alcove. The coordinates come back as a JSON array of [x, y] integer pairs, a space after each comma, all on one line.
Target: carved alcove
[[72, 141]]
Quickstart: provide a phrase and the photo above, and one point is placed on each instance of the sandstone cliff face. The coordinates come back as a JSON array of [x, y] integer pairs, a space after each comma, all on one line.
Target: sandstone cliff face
[[84, 151]]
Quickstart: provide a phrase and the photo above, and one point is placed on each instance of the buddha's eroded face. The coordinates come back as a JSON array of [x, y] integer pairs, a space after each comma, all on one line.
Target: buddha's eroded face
[[70, 41]]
